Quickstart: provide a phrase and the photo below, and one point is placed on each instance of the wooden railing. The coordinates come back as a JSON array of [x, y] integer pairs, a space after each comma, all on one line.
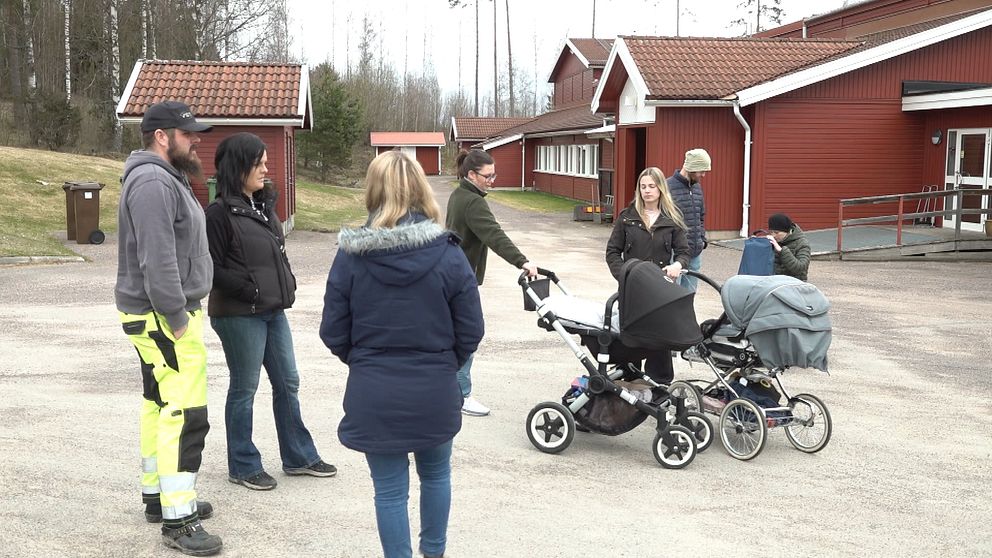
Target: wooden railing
[[901, 215]]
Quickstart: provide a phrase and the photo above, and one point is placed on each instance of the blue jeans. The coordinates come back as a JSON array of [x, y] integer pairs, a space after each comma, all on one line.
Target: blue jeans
[[391, 478], [694, 265], [249, 343], [465, 376]]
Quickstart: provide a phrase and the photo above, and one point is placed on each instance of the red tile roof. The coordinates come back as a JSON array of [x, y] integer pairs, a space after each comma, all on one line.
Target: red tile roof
[[596, 51], [407, 138], [578, 118], [475, 129], [714, 68], [219, 89]]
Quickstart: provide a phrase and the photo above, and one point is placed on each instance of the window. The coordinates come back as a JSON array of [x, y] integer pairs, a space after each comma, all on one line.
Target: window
[[574, 160]]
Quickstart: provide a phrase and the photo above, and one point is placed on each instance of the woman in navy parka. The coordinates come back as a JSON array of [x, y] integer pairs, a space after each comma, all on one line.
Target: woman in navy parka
[[402, 310]]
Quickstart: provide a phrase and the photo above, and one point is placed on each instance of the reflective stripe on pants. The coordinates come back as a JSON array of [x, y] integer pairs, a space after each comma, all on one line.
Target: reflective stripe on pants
[[174, 412]]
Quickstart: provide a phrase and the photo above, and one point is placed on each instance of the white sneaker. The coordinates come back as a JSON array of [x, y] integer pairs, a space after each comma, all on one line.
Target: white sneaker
[[473, 408]]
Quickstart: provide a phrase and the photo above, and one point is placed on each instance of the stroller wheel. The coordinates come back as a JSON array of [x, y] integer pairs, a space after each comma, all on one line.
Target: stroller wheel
[[810, 427], [742, 429], [693, 396], [674, 448], [550, 427], [700, 427]]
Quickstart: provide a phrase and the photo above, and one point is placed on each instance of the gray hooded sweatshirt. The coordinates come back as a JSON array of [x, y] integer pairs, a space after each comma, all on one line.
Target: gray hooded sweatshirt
[[163, 260]]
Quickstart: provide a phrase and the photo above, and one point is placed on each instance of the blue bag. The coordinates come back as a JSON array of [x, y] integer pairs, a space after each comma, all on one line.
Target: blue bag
[[758, 257]]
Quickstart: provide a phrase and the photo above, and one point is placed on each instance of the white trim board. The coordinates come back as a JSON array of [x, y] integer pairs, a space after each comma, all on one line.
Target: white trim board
[[298, 123], [126, 94], [499, 142], [954, 99]]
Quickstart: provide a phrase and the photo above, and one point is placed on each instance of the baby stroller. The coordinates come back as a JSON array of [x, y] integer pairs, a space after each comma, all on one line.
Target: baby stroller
[[768, 324], [649, 313]]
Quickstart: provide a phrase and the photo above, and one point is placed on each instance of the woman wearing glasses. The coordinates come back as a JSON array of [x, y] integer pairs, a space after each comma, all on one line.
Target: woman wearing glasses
[[470, 217]]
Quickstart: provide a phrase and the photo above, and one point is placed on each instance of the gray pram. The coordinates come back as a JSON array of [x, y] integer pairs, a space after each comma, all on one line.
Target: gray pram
[[769, 323]]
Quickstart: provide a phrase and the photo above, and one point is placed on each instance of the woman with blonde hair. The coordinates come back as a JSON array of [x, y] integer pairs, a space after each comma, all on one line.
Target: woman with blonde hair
[[652, 229], [402, 310]]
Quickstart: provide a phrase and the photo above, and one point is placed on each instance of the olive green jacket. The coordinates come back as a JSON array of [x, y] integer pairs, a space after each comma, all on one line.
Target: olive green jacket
[[794, 258], [471, 219]]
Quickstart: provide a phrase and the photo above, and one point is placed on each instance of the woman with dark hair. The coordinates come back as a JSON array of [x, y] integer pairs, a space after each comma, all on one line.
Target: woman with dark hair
[[470, 217], [401, 309], [253, 286], [651, 229]]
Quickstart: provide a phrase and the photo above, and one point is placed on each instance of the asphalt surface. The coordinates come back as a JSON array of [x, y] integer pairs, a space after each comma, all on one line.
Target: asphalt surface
[[907, 471]]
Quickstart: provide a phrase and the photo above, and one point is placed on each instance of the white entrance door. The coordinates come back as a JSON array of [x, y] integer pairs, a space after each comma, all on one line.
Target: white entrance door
[[969, 158], [411, 151]]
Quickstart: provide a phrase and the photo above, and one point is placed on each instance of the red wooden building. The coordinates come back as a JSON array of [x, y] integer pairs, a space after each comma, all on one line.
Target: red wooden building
[[567, 151], [271, 101], [886, 97], [425, 147]]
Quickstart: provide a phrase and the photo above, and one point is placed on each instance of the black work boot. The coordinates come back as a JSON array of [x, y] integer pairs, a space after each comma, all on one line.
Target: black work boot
[[191, 538], [153, 511]]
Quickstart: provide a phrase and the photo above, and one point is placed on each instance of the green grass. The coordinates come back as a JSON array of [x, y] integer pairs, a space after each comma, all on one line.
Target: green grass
[[325, 208], [34, 203], [533, 201]]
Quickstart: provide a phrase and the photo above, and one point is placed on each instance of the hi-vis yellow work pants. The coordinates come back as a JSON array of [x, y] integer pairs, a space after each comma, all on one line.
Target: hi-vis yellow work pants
[[174, 412]]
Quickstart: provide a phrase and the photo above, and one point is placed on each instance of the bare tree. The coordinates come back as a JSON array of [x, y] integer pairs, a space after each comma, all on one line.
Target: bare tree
[[594, 19], [29, 45], [66, 10], [509, 61], [770, 10], [495, 66], [115, 68]]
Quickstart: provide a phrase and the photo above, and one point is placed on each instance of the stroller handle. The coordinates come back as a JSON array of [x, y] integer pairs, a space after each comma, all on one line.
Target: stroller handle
[[522, 280], [704, 278]]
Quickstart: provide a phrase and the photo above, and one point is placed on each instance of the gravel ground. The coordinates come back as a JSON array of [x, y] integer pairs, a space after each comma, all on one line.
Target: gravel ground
[[903, 474]]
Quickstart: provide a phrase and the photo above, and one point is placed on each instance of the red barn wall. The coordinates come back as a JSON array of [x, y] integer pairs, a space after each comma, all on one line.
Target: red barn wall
[[507, 159], [281, 158], [428, 159], [676, 131], [848, 136]]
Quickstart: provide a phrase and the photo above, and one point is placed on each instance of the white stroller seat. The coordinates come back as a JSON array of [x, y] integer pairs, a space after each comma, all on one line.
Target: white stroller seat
[[580, 312]]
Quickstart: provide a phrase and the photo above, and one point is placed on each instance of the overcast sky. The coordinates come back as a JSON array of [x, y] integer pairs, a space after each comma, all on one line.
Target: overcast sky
[[432, 34]]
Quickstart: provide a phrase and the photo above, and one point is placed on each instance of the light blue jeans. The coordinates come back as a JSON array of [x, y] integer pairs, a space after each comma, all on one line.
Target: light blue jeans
[[391, 479], [694, 265], [465, 376], [249, 343]]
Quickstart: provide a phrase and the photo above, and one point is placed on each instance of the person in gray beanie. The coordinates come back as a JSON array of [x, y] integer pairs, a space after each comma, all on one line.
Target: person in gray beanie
[[688, 195]]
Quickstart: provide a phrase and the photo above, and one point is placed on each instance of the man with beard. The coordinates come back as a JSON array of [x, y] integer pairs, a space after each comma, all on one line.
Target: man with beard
[[164, 269], [688, 195]]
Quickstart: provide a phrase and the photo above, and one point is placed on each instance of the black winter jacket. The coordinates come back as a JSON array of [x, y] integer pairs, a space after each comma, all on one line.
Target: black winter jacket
[[689, 198], [631, 239], [251, 271]]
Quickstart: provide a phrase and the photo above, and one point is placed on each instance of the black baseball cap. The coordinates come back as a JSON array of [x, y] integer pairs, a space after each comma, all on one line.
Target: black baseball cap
[[171, 114]]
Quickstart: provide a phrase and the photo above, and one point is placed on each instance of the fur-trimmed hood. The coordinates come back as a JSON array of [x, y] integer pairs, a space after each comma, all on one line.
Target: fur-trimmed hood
[[398, 255]]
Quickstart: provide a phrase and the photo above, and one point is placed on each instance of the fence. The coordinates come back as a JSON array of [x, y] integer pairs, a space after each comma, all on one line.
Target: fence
[[901, 216]]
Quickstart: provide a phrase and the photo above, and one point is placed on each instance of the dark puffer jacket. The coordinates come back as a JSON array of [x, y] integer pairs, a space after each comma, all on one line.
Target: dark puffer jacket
[[631, 239], [689, 198], [402, 310], [794, 258], [251, 271]]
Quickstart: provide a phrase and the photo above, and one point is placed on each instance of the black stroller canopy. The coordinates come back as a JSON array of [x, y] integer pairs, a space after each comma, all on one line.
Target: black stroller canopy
[[654, 312]]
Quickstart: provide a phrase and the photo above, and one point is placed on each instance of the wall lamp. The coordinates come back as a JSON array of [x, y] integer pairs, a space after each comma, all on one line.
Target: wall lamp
[[935, 138]]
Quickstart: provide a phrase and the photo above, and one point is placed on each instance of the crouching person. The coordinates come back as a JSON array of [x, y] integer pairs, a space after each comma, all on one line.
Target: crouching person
[[792, 251]]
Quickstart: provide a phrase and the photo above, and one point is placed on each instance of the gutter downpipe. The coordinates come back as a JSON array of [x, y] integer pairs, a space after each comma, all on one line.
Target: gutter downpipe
[[746, 209], [523, 164]]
